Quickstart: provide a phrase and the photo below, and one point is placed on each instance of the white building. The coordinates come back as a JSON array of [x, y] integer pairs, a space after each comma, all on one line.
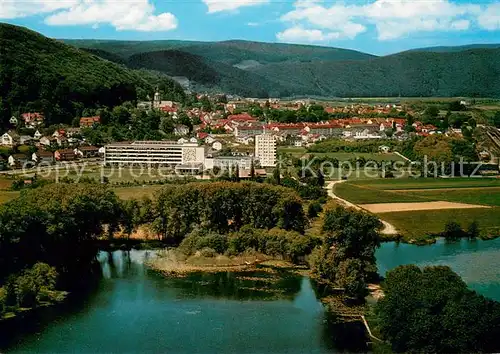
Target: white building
[[164, 153], [6, 140], [265, 150]]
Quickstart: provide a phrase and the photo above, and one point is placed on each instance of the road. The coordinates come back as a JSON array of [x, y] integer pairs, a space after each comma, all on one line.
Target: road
[[388, 229]]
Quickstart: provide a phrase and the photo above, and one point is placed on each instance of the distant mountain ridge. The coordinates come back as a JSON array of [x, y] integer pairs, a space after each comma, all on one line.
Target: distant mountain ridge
[[265, 69], [454, 49], [255, 69]]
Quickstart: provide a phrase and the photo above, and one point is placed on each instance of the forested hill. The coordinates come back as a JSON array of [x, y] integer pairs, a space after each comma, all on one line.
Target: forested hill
[[265, 69], [461, 48], [45, 75], [473, 72], [228, 52]]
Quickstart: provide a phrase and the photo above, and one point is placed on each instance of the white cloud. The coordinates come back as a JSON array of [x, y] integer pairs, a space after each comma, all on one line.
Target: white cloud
[[490, 18], [10, 9], [253, 24], [136, 15], [123, 15], [391, 18], [299, 34], [230, 5]]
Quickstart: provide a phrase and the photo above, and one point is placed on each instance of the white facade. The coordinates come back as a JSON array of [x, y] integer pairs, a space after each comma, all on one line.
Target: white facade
[[154, 153], [265, 150], [6, 140]]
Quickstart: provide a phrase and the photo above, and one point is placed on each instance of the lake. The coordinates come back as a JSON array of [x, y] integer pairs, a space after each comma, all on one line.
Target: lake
[[134, 309], [477, 262]]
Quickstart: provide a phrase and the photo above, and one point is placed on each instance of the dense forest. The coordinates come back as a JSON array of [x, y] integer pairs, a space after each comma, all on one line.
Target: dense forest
[[281, 70], [43, 75]]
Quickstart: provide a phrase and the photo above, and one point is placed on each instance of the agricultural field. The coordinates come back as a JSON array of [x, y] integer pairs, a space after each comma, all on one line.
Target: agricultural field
[[444, 200]]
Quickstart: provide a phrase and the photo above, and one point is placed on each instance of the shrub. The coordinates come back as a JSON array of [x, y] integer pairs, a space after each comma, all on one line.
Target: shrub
[[208, 252]]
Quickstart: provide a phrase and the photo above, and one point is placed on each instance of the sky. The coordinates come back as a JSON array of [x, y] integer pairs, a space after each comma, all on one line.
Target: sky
[[374, 26]]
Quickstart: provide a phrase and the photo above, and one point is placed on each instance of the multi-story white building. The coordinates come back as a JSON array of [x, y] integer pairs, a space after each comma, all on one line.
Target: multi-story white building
[[164, 153], [265, 150]]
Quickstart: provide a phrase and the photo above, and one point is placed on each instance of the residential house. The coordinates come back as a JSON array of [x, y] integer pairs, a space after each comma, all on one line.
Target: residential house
[[182, 141], [258, 172], [209, 139], [245, 140], [32, 120], [87, 122], [65, 155], [45, 157], [181, 130], [25, 139], [248, 130], [18, 160], [13, 120], [70, 132], [193, 140], [87, 151], [7, 140], [45, 141], [217, 145], [37, 135]]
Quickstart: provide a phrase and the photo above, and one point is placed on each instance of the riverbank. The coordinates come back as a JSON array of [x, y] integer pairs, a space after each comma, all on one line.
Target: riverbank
[[172, 262], [57, 297]]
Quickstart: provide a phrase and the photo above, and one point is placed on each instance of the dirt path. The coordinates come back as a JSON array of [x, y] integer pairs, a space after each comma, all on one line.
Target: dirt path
[[388, 229]]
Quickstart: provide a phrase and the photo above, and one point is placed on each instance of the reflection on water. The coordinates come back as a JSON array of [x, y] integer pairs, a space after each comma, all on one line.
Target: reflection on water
[[477, 262], [134, 309]]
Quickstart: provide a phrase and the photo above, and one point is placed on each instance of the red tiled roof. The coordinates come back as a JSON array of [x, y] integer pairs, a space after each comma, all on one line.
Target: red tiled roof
[[241, 117]]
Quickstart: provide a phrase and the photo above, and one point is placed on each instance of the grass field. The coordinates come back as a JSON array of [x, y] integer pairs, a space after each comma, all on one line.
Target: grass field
[[346, 156], [419, 225], [429, 183]]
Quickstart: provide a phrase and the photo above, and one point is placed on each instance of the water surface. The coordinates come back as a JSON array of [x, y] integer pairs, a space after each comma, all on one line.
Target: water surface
[[134, 309], [477, 262]]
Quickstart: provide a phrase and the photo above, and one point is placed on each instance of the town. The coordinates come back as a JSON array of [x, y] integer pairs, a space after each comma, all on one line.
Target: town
[[219, 133]]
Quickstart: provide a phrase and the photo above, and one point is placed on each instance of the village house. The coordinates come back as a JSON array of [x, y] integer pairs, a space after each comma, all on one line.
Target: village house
[[7, 140], [87, 122], [13, 120], [45, 157], [217, 146], [87, 151], [25, 139], [182, 141], [32, 120], [65, 155], [209, 139], [245, 139], [44, 141], [18, 160], [37, 135], [249, 130], [180, 130]]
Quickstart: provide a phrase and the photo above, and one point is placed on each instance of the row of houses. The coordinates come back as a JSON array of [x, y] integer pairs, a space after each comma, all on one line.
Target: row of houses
[[46, 157]]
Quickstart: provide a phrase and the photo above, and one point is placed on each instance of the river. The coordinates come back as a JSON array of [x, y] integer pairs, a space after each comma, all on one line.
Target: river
[[477, 262], [134, 309]]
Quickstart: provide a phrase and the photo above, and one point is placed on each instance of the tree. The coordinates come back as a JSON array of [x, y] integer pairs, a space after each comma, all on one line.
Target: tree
[[496, 119], [277, 175], [432, 311], [347, 257], [453, 230], [473, 230]]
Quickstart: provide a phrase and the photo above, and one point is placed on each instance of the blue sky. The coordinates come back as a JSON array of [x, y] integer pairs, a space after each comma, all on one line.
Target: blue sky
[[374, 26]]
